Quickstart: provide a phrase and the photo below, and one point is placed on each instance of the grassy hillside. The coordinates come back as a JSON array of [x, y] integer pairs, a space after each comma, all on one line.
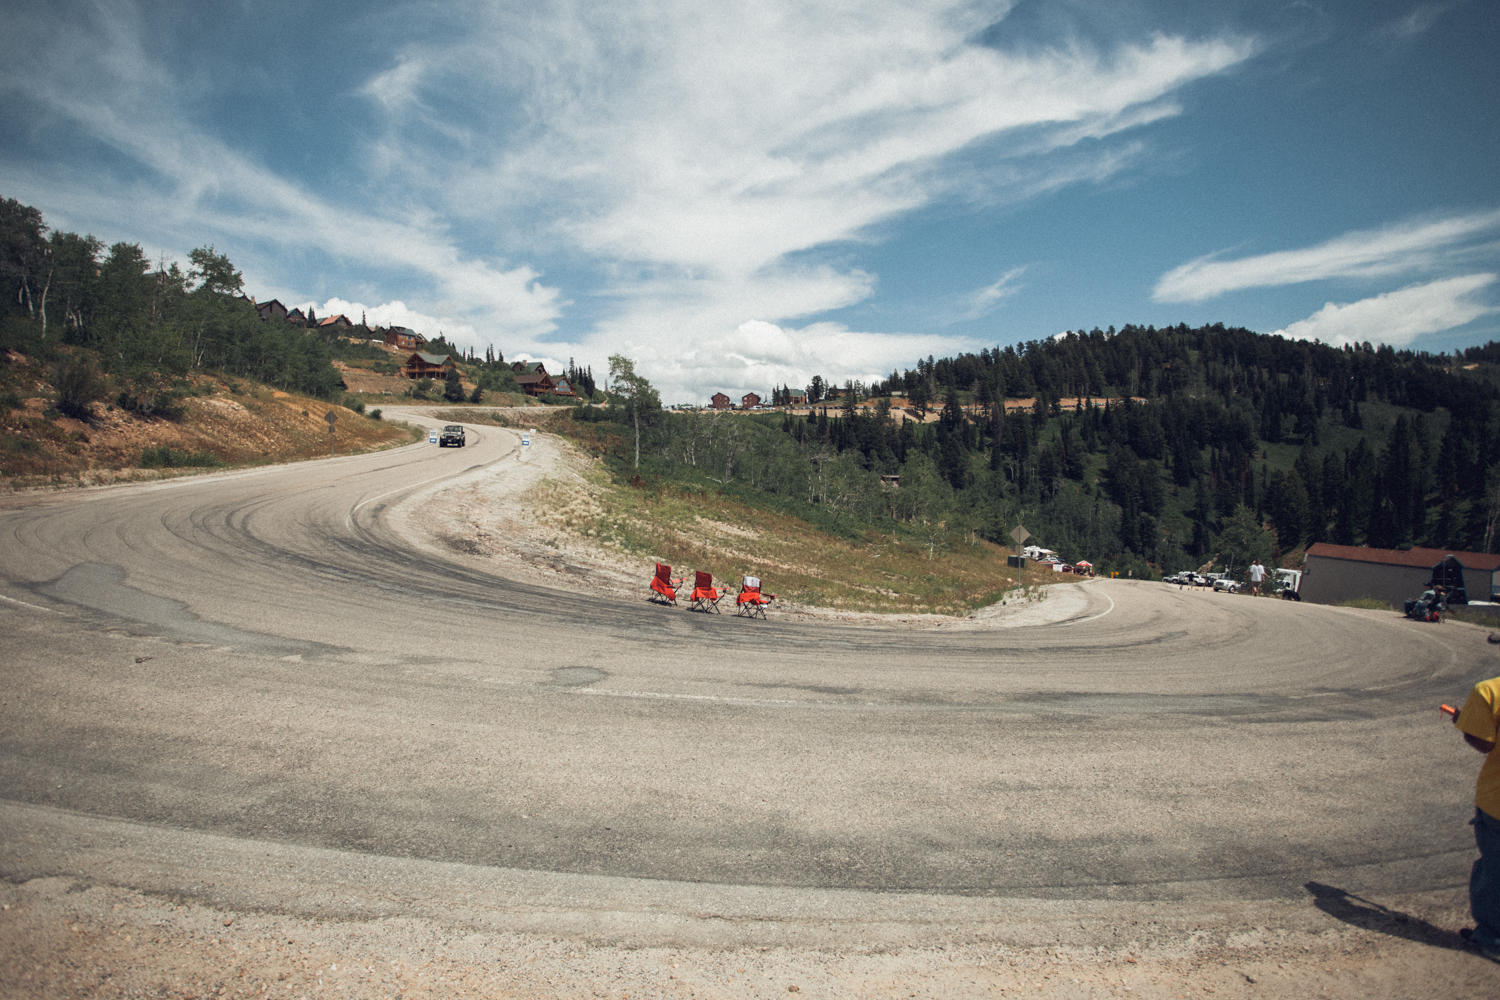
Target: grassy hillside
[[210, 422]]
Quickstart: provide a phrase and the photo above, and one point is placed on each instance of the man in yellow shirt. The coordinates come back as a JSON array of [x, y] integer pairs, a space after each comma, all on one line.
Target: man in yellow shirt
[[1479, 720]]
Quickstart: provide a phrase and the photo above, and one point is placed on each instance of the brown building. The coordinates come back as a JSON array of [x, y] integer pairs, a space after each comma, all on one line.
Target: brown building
[[434, 366], [1333, 574], [563, 386], [721, 402], [296, 318], [532, 378], [340, 322], [403, 339], [271, 310], [749, 401]]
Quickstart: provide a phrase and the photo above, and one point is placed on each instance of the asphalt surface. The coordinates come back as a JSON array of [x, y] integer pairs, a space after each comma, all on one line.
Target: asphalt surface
[[254, 659]]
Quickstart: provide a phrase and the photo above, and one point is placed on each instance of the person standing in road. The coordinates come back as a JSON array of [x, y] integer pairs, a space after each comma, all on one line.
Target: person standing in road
[[1257, 574], [1479, 721]]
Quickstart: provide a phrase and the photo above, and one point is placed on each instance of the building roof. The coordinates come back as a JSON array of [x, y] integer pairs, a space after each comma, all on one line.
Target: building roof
[[1420, 558], [532, 378], [433, 359]]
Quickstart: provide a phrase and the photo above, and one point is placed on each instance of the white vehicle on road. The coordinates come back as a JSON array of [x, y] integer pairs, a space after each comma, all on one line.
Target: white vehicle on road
[[1288, 582]]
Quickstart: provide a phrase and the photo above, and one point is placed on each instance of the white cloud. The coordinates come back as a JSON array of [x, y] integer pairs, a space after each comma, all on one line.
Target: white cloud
[[757, 355], [689, 154], [987, 299], [398, 314], [1395, 249], [1397, 318], [694, 151], [197, 184], [1419, 20]]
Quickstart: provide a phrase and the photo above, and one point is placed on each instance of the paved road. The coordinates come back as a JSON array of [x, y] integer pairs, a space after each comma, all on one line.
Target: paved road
[[256, 655]]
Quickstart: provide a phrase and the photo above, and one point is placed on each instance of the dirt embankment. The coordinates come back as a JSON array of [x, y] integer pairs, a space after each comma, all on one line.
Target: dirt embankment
[[222, 423], [549, 515]]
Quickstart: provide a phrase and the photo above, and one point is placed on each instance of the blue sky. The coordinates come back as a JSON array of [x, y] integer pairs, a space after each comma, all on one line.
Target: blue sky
[[739, 198]]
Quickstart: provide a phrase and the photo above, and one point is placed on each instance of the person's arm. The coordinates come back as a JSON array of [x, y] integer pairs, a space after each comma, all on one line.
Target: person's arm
[[1483, 746]]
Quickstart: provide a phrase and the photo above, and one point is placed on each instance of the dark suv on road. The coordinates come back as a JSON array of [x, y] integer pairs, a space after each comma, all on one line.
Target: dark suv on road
[[452, 434]]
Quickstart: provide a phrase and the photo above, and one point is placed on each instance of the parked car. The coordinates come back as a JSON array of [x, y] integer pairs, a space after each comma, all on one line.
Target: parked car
[[1226, 584], [452, 434]]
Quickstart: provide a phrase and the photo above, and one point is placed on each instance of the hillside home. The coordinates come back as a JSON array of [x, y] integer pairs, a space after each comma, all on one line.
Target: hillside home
[[402, 339], [433, 366]]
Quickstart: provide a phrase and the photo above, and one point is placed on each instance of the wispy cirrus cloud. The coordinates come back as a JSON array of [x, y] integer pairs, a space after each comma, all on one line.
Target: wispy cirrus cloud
[[1395, 249], [1398, 318], [703, 158], [690, 168], [103, 76], [1418, 21], [987, 299]]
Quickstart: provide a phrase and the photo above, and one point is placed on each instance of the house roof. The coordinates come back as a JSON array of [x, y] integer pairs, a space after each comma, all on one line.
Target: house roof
[[335, 320], [1420, 558], [432, 359], [532, 378]]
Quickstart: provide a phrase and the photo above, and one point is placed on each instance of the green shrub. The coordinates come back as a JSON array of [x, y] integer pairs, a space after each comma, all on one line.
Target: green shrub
[[167, 457], [375, 414], [79, 385]]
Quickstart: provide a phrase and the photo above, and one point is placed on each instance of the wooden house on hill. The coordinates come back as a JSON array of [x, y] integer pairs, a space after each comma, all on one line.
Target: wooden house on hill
[[721, 402], [339, 322], [402, 339], [433, 366], [270, 310], [563, 386], [296, 318], [536, 383], [749, 401]]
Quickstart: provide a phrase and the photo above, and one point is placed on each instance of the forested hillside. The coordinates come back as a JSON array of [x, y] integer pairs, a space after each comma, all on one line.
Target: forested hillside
[[141, 325], [1209, 443]]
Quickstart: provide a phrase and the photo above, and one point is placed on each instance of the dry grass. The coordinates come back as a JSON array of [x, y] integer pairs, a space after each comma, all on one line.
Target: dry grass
[[234, 423], [693, 530]]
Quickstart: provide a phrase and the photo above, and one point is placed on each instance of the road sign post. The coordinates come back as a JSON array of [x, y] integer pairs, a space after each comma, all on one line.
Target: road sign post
[[332, 419], [1019, 536]]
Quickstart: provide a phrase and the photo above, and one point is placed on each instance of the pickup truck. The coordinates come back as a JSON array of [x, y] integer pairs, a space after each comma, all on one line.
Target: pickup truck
[[452, 434], [1226, 584]]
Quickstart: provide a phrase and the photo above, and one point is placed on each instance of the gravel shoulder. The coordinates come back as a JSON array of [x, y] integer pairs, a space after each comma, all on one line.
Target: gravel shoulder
[[516, 518]]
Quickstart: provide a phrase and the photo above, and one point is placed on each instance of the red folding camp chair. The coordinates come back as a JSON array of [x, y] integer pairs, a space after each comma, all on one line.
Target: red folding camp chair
[[751, 603], [706, 596], [663, 587]]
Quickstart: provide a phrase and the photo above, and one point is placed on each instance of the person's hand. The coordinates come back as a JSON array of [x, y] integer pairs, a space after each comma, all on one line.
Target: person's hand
[[1483, 746]]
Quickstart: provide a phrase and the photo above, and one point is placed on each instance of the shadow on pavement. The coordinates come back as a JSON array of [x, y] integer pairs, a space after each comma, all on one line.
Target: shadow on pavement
[[1373, 917]]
